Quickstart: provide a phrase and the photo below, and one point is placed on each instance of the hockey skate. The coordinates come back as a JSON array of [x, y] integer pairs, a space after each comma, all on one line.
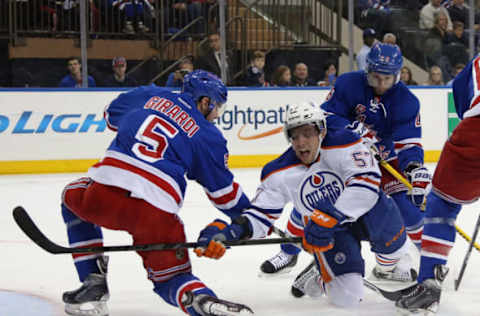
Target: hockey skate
[[279, 264], [308, 282], [394, 278], [91, 298], [207, 305], [425, 297], [397, 274]]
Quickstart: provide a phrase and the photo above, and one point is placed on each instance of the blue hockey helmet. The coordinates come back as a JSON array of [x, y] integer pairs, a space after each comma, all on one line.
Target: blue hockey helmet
[[201, 83], [385, 59]]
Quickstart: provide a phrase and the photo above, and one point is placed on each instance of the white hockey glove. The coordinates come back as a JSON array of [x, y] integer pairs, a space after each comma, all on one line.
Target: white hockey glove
[[420, 178], [367, 135]]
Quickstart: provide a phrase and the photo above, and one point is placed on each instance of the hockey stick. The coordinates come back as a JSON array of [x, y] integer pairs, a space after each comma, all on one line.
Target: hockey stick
[[402, 179], [389, 295], [27, 225], [467, 255]]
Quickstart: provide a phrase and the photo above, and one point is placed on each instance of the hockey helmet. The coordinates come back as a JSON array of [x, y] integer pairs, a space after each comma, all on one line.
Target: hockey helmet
[[385, 59], [303, 114], [201, 83]]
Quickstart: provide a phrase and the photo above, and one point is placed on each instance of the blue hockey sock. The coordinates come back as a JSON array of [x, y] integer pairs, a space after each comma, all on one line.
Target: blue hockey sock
[[291, 249], [81, 233], [438, 234], [173, 290]]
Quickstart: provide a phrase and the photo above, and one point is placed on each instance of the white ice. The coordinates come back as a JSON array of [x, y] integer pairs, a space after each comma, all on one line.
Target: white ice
[[26, 269]]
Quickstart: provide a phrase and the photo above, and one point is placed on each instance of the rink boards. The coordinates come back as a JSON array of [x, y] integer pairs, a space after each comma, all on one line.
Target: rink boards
[[51, 130]]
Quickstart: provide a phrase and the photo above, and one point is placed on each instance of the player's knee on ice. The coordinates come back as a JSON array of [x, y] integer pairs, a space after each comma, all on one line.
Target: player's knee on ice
[[345, 290]]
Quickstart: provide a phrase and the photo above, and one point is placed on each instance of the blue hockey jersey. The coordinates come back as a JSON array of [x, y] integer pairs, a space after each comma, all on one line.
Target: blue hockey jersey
[[466, 90], [394, 117], [161, 137]]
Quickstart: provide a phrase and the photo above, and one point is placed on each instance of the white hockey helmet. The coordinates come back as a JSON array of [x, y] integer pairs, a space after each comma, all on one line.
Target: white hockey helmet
[[303, 114]]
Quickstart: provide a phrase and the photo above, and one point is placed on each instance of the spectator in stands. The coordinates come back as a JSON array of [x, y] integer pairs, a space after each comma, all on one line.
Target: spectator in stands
[[255, 76], [211, 60], [368, 41], [300, 76], [282, 77], [330, 75], [74, 78], [175, 79], [456, 44], [456, 70], [376, 13], [458, 34], [119, 78], [435, 77], [389, 38], [459, 12], [427, 15], [134, 13], [406, 77], [434, 46]]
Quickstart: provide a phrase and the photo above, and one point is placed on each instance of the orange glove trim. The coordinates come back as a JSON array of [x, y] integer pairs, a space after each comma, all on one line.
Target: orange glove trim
[[312, 249], [219, 225], [323, 219]]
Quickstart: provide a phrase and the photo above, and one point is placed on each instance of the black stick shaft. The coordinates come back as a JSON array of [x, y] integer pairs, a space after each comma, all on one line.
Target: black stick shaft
[[26, 224], [467, 256]]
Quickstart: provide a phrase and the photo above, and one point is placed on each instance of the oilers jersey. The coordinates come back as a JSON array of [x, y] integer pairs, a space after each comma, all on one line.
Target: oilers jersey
[[394, 117], [466, 90], [161, 137], [345, 175]]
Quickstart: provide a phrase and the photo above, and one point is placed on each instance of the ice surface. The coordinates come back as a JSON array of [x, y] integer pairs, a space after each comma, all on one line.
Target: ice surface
[[29, 271]]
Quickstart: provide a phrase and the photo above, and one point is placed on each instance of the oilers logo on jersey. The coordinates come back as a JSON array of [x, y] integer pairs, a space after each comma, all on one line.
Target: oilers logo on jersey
[[318, 189]]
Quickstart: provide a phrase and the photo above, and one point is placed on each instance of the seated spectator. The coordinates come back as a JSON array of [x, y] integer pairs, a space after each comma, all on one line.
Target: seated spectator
[[459, 12], [300, 76], [376, 13], [119, 78], [255, 76], [368, 41], [456, 44], [390, 38], [406, 77], [435, 41], [435, 77], [458, 34], [74, 78], [330, 76], [282, 77], [134, 13], [456, 70], [427, 15], [175, 79]]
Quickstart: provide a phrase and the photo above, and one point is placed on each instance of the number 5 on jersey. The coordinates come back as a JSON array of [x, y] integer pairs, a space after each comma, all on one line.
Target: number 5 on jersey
[[153, 143]]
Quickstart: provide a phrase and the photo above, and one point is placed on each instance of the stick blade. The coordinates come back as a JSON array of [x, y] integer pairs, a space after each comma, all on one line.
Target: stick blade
[[26, 224], [394, 295]]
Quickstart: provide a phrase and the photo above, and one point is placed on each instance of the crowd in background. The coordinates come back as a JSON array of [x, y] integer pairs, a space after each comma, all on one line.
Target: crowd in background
[[442, 25]]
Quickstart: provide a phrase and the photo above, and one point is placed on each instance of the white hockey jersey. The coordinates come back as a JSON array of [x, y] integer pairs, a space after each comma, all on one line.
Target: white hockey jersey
[[345, 174]]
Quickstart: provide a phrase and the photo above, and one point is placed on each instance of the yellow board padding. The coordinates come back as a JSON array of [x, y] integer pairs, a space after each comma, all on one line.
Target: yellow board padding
[[82, 165], [46, 166]]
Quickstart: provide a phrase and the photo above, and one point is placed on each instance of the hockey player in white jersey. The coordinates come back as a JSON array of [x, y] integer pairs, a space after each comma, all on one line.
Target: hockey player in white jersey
[[334, 182]]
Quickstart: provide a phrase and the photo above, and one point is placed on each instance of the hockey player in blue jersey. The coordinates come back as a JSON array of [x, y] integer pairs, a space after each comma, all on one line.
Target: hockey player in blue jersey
[[376, 105], [456, 181], [333, 181], [139, 187]]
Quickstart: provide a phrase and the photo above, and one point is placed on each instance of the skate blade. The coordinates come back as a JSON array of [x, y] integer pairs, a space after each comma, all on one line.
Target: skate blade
[[219, 309], [282, 272], [87, 309], [390, 285]]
